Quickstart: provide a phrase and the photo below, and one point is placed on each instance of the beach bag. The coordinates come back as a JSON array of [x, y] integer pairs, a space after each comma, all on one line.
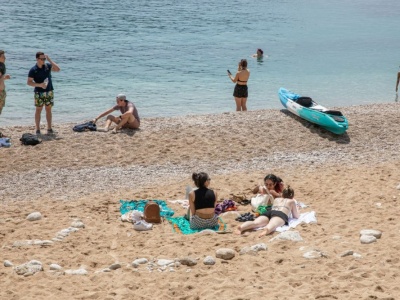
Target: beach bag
[[261, 199], [152, 212], [88, 126], [29, 139], [263, 209]]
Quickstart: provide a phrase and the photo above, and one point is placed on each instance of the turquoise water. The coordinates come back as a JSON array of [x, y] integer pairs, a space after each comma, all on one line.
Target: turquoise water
[[170, 57]]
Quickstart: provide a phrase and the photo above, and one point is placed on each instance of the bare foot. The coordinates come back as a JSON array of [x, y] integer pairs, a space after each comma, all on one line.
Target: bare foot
[[238, 231], [262, 234]]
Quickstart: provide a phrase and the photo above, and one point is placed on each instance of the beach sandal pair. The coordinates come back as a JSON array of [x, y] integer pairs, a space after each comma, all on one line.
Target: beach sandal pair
[[245, 217]]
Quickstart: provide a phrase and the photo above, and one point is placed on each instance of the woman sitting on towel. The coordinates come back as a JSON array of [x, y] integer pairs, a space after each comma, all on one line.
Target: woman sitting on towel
[[276, 217], [272, 184], [202, 203]]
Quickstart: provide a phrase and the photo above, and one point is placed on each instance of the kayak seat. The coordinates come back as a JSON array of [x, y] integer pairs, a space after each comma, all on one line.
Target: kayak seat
[[333, 112], [304, 101]]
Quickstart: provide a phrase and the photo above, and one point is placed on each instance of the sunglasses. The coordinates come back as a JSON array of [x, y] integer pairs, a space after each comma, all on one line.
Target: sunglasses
[[42, 59]]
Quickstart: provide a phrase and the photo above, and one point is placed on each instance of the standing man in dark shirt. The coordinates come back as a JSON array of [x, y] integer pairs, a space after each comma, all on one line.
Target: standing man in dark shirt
[[3, 76], [39, 77]]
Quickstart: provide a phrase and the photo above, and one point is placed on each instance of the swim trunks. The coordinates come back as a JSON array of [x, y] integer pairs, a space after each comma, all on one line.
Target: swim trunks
[[240, 91], [44, 98], [3, 95], [276, 213]]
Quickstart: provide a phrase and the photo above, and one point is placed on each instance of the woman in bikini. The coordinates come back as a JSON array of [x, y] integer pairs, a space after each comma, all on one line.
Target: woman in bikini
[[276, 217], [272, 184], [241, 92], [202, 203]]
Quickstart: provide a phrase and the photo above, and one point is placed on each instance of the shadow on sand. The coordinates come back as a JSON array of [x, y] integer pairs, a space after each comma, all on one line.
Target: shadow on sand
[[314, 128]]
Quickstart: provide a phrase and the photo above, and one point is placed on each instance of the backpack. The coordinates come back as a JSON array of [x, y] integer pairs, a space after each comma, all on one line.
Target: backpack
[[88, 126], [152, 212], [29, 139]]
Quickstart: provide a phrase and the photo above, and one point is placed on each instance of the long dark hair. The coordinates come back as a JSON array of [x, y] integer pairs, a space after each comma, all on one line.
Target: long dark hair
[[200, 179], [278, 182], [243, 63]]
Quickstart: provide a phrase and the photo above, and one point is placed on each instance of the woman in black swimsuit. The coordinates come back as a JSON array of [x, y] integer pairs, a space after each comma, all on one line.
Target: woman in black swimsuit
[[202, 203], [276, 217], [241, 92]]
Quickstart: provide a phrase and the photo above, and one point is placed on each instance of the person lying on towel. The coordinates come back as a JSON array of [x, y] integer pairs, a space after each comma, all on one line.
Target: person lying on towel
[[276, 217], [202, 203]]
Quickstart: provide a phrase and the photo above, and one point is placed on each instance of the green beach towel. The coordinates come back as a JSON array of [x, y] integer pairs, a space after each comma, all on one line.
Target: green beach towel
[[129, 205], [182, 225]]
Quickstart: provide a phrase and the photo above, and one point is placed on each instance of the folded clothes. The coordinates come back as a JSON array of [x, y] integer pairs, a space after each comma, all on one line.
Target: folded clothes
[[5, 142]]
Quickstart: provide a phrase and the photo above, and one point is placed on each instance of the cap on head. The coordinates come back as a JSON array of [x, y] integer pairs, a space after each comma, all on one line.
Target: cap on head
[[121, 97]]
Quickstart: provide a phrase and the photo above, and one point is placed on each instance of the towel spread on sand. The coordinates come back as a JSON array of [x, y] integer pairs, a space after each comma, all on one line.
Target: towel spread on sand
[[182, 225], [129, 205], [308, 217], [183, 203]]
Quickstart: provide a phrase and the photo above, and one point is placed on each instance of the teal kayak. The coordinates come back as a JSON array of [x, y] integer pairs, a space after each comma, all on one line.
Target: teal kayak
[[309, 110]]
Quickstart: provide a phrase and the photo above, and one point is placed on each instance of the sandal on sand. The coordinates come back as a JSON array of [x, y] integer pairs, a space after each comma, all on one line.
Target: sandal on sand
[[114, 131], [245, 217]]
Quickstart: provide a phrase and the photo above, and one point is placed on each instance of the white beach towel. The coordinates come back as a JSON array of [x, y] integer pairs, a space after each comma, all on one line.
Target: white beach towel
[[183, 203], [307, 217]]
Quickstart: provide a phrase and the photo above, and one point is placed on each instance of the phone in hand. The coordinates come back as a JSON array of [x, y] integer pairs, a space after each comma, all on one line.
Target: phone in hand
[[229, 72]]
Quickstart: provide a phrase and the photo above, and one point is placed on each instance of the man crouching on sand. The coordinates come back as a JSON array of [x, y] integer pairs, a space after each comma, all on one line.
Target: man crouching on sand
[[129, 117]]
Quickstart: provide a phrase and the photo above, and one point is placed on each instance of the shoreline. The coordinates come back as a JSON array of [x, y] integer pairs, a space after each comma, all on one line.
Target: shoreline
[[72, 123]]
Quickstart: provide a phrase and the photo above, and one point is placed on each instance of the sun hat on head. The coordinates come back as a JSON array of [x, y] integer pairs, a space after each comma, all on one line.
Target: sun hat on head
[[121, 97]]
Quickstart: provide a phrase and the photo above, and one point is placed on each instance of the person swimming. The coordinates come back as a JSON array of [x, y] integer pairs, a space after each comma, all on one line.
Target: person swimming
[[259, 53]]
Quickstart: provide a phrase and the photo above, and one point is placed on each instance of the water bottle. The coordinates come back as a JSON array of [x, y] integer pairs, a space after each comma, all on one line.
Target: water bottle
[[46, 81]]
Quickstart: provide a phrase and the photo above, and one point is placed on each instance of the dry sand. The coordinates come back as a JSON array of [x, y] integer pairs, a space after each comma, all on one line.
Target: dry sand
[[350, 181]]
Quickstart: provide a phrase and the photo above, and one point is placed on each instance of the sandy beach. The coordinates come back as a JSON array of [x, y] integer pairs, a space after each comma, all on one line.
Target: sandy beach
[[351, 182]]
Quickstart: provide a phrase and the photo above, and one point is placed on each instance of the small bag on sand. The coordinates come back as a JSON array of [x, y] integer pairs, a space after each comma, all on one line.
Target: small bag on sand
[[152, 212], [261, 199], [29, 139]]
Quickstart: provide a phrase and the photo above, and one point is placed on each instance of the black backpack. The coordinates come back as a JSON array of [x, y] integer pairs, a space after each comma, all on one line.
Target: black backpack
[[29, 139], [85, 127]]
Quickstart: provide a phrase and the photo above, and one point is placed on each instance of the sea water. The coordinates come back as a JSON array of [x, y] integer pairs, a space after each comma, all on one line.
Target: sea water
[[170, 57]]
